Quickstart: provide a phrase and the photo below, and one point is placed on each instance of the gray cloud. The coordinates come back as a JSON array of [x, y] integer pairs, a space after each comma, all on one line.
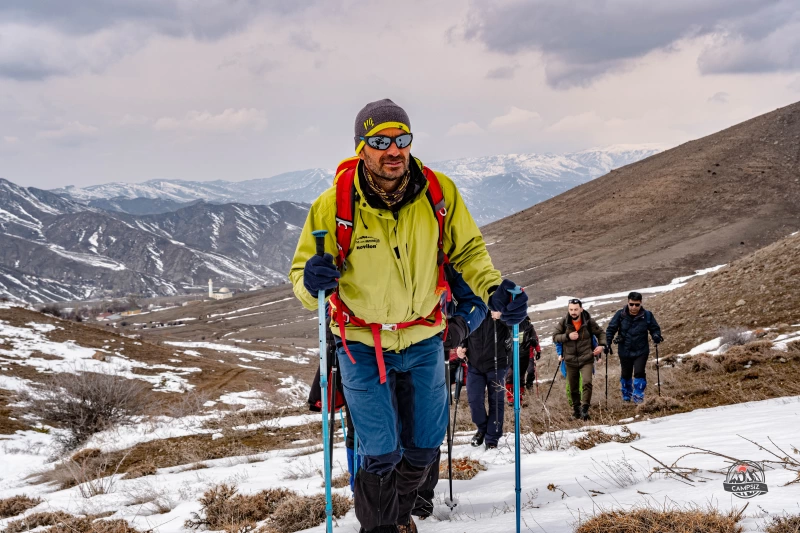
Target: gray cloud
[[304, 41], [209, 19], [581, 41], [501, 73], [719, 98], [50, 38]]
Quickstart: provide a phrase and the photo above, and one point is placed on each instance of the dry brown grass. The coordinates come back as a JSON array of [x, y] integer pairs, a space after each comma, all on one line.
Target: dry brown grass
[[297, 513], [17, 505], [224, 509], [464, 468], [35, 520], [652, 520], [341, 481], [658, 404], [144, 458], [595, 436], [783, 524], [90, 525]]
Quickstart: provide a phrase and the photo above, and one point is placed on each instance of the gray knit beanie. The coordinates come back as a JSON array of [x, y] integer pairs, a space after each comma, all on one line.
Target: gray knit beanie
[[377, 116]]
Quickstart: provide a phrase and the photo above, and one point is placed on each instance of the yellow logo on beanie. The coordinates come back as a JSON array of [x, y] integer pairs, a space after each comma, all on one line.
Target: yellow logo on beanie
[[368, 124]]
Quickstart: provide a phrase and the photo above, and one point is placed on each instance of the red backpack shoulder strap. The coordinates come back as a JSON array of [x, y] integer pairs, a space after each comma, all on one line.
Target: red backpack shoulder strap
[[436, 199], [345, 206]]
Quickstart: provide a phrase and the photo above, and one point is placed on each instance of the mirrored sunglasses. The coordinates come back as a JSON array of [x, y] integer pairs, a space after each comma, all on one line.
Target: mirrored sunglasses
[[383, 142]]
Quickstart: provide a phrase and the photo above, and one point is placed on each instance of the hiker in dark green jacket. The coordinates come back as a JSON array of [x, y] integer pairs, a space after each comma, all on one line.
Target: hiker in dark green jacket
[[575, 332]]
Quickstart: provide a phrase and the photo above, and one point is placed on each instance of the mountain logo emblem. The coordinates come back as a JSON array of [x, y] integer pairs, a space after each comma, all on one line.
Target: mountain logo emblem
[[745, 479]]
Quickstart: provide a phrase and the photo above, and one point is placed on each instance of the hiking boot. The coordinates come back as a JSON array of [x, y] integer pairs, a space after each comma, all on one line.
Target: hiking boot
[[639, 385], [576, 412], [477, 440], [626, 387], [411, 527], [585, 412], [491, 445]]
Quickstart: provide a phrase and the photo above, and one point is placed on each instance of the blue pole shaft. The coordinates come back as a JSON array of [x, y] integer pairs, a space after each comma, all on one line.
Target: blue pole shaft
[[323, 383], [516, 370]]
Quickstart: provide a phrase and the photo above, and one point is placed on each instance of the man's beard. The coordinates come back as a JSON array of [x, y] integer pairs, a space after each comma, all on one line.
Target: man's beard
[[575, 317], [378, 172]]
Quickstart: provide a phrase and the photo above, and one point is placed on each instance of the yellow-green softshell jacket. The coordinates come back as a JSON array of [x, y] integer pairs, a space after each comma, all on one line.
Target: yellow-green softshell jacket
[[391, 271]]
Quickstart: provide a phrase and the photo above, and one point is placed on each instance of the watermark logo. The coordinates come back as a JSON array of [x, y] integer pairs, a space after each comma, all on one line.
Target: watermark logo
[[745, 479]]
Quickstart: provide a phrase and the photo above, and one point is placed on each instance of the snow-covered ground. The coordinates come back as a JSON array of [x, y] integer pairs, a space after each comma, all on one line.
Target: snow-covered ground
[[611, 475], [562, 301]]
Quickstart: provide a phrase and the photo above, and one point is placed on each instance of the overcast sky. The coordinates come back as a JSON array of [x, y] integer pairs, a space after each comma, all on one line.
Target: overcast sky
[[94, 91]]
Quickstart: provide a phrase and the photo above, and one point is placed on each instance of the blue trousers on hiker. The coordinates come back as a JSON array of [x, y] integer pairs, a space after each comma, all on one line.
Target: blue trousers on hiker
[[406, 417], [478, 385]]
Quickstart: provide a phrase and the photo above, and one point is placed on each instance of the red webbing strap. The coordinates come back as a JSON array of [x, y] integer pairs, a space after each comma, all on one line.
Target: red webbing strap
[[376, 337], [344, 213], [343, 316]]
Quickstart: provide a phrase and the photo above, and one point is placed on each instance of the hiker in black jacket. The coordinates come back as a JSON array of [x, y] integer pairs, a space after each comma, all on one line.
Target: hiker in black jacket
[[488, 362], [632, 323], [529, 352]]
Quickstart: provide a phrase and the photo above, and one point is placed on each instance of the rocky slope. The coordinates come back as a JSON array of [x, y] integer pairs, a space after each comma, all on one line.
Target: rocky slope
[[757, 291], [704, 203]]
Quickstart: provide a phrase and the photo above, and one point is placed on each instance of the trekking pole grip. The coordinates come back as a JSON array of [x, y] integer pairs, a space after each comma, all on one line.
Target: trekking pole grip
[[319, 236]]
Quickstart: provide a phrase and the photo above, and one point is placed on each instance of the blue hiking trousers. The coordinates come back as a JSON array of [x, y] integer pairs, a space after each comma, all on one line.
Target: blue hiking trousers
[[481, 386], [404, 417]]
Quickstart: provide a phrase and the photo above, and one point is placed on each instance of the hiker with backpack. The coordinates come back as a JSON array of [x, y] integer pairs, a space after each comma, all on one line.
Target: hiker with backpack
[[393, 226], [631, 325], [529, 353], [575, 332], [488, 356]]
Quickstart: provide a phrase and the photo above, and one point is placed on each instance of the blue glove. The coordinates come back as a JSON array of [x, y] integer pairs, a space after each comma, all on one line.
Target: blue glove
[[320, 274], [512, 311]]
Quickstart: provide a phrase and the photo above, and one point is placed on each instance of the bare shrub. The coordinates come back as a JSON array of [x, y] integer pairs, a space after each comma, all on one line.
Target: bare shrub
[[341, 481], [620, 472], [35, 520], [595, 436], [17, 505], [154, 501], [302, 469], [734, 336], [223, 509], [657, 404], [464, 468], [297, 513], [783, 524], [86, 403], [90, 525], [94, 474], [662, 520]]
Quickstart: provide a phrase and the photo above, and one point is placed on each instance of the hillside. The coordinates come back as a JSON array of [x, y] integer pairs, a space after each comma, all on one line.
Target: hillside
[[757, 291], [57, 249], [704, 203]]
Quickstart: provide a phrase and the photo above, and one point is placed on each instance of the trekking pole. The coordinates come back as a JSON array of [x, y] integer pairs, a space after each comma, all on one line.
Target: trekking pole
[[449, 502], [607, 377], [319, 235], [332, 406], [518, 482], [658, 372], [552, 383], [496, 376], [459, 383]]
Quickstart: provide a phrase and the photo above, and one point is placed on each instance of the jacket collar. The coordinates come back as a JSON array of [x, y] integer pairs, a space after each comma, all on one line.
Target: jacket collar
[[416, 189]]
